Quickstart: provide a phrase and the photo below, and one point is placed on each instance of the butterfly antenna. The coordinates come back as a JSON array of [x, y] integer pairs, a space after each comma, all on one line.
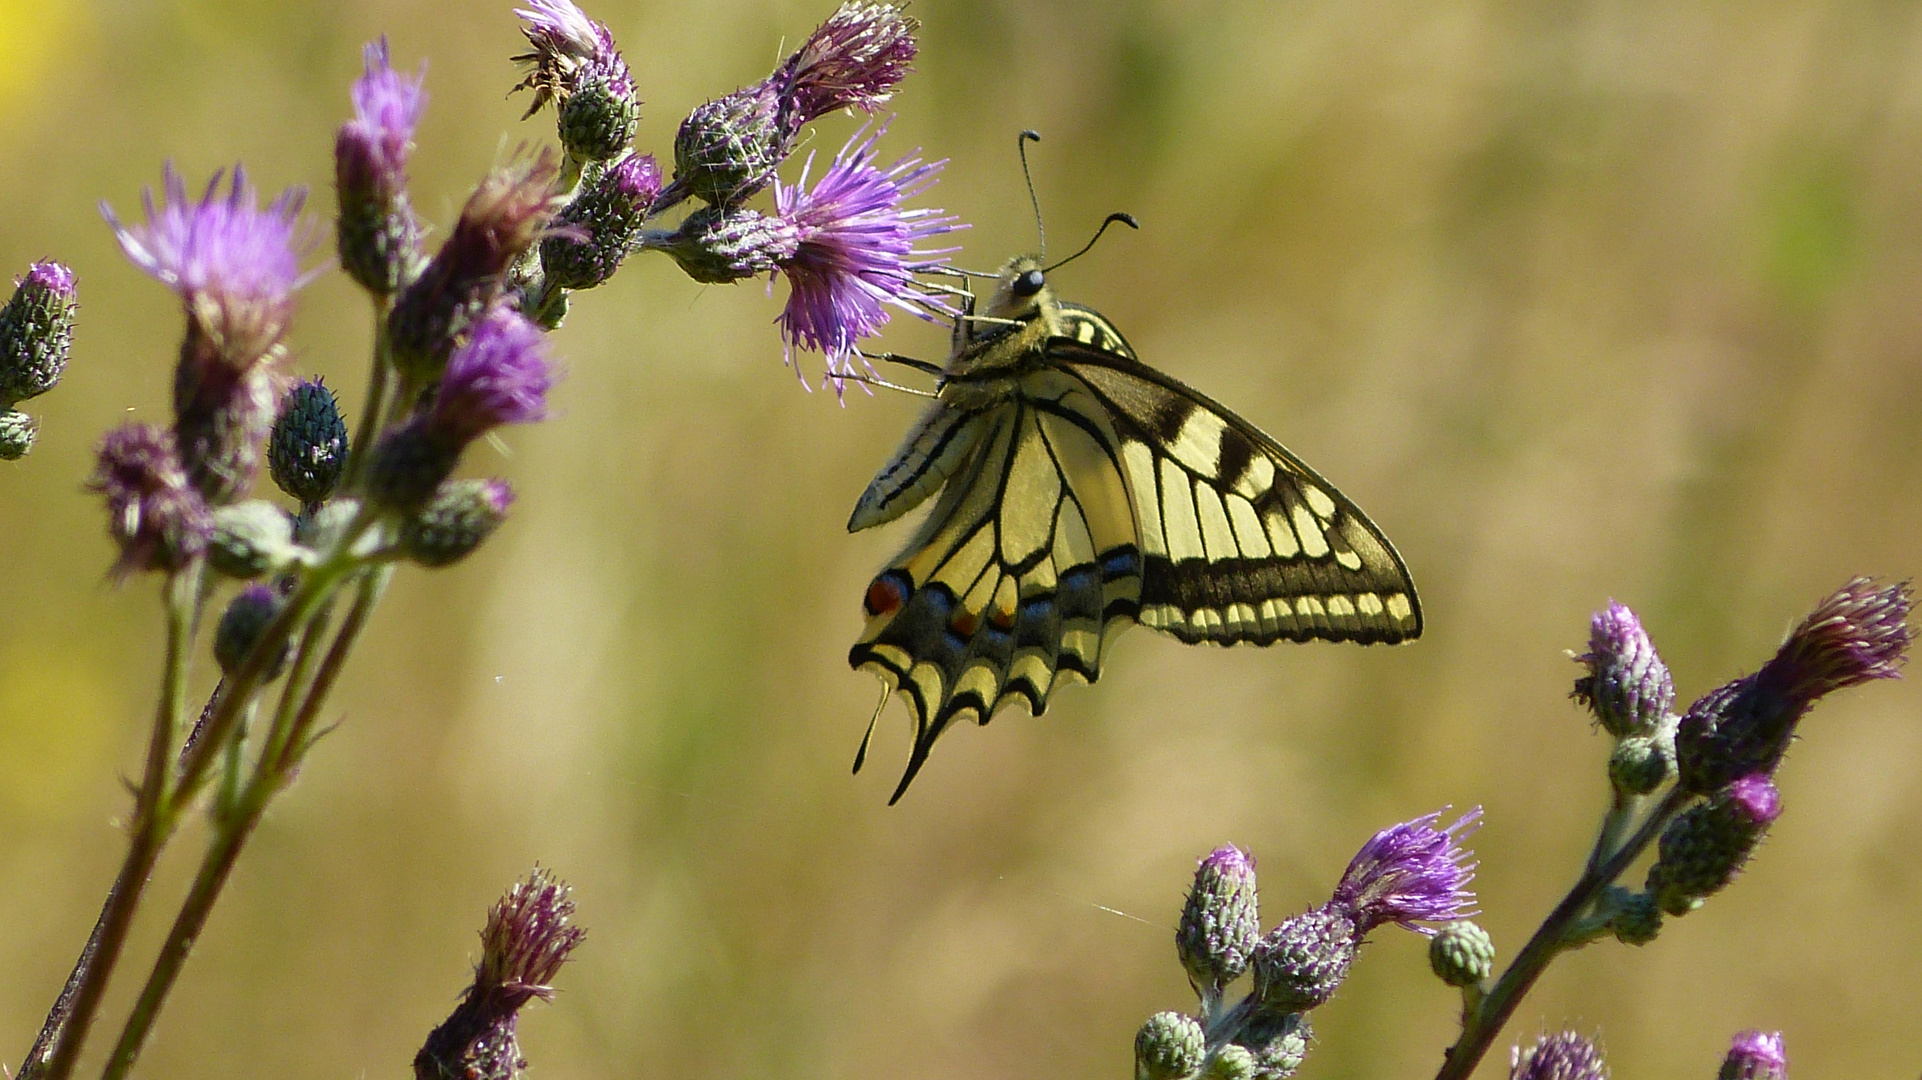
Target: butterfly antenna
[[1125, 219], [1021, 145], [861, 755]]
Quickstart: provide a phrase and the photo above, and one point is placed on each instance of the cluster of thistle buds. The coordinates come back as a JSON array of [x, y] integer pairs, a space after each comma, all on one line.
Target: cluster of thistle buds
[[1721, 753], [1411, 875], [1567, 1055], [36, 334]]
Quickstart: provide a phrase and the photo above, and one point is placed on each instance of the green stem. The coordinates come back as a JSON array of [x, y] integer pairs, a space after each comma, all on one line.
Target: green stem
[[73, 1012], [378, 381], [1478, 1034], [279, 758]]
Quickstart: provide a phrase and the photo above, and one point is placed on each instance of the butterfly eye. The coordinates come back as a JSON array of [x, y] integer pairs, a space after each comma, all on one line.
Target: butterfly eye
[[1027, 284]]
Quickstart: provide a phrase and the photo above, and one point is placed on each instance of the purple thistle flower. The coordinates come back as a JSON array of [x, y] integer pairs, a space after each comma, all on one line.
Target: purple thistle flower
[[234, 263], [572, 54], [1627, 685], [561, 28], [528, 936], [856, 257], [1410, 873], [853, 60], [155, 516], [1755, 1055], [1563, 1056], [1859, 634], [500, 375], [377, 234]]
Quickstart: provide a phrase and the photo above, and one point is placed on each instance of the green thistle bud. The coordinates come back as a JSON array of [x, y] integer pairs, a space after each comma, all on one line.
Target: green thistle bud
[[461, 515], [602, 223], [728, 149], [308, 447], [598, 118], [1278, 1043], [17, 430], [1461, 954], [1702, 850], [1229, 1062], [252, 538], [1220, 923], [1168, 1047], [1637, 919], [241, 626], [1642, 763], [36, 332], [719, 246]]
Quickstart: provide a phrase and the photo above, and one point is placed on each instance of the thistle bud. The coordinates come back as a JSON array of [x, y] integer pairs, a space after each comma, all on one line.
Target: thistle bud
[[1857, 635], [1627, 685], [1168, 1047], [601, 225], [308, 446], [155, 516], [719, 246], [1461, 954], [377, 233], [1220, 923], [1278, 1043], [17, 431], [1755, 1055], [528, 936], [36, 332], [1641, 763], [1300, 963], [508, 211], [1563, 1056], [1637, 918], [728, 149], [252, 538], [1230, 1062], [246, 617], [1706, 846], [598, 118], [456, 520]]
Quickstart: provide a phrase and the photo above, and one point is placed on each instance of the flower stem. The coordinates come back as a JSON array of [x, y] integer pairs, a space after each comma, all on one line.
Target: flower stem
[[279, 758], [73, 1011], [376, 403], [1550, 939]]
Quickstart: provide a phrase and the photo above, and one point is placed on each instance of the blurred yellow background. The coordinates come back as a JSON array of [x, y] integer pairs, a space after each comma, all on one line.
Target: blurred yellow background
[[1579, 300]]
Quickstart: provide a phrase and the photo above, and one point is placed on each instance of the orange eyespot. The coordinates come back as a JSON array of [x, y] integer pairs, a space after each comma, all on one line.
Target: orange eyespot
[[886, 594]]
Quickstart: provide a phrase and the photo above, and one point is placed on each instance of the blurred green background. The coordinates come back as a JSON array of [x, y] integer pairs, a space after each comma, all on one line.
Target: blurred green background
[[1579, 300]]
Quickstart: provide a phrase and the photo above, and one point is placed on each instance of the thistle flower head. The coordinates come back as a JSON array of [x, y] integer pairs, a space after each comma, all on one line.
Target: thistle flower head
[[602, 223], [1857, 635], [1169, 1046], [155, 516], [856, 257], [460, 517], [234, 263], [17, 432], [377, 234], [1562, 1056], [528, 936], [1703, 849], [568, 49], [506, 214], [500, 375], [1300, 963], [247, 616], [1220, 923], [1627, 685], [1755, 1055], [1412, 873], [853, 60], [36, 332], [719, 245], [307, 449]]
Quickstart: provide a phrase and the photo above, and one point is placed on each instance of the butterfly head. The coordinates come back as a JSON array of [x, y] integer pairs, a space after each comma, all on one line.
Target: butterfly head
[[1024, 295]]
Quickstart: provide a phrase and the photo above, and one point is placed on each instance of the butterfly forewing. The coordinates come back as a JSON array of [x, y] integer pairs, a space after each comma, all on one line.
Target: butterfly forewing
[[1088, 493]]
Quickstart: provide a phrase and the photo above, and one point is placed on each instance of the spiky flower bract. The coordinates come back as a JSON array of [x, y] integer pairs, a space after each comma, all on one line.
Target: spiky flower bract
[[855, 256], [307, 450], [460, 517], [1220, 922], [1858, 634], [1755, 1055], [36, 332], [597, 229], [1168, 1047], [377, 233], [1703, 849]]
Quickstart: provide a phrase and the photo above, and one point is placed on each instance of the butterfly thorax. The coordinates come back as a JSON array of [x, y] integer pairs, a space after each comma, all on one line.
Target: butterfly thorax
[[1007, 338]]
